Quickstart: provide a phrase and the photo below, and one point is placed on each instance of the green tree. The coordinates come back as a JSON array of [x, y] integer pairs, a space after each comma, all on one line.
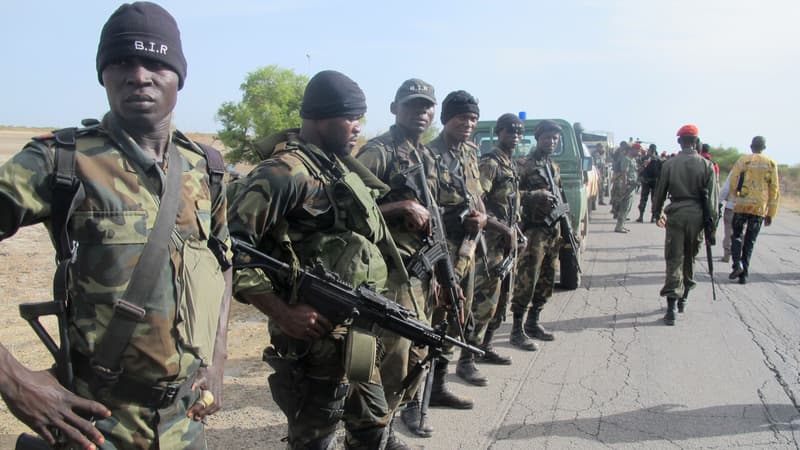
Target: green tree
[[271, 98]]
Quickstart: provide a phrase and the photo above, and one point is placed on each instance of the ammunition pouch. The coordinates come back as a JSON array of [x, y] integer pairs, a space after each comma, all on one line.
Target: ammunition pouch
[[360, 354], [556, 214]]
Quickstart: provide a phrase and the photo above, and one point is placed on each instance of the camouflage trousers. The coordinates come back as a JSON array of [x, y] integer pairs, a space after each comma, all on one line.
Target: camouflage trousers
[[400, 355], [616, 192], [443, 313], [681, 245], [315, 394], [624, 203], [537, 274], [133, 426], [488, 292]]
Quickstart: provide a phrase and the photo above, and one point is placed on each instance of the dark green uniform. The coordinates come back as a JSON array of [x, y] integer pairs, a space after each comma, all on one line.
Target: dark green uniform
[[628, 179], [123, 189], [500, 183], [390, 156], [459, 185], [683, 178], [303, 205], [536, 277]]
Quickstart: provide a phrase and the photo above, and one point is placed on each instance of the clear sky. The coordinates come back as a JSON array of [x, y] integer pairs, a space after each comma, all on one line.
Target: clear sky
[[638, 68]]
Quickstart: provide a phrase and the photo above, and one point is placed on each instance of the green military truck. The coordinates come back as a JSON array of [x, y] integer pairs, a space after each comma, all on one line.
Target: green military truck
[[575, 165]]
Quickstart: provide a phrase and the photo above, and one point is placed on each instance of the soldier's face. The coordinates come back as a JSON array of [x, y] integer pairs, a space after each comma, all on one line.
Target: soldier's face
[[415, 115], [340, 134], [547, 142], [509, 137], [141, 92], [459, 128]]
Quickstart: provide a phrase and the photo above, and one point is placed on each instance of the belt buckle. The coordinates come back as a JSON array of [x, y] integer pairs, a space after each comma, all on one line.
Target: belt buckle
[[169, 395]]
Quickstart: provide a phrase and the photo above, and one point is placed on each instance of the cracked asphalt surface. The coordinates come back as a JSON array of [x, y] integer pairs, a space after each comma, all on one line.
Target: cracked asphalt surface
[[725, 376]]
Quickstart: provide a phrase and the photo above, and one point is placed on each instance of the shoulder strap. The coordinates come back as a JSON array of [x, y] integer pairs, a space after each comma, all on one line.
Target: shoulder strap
[[128, 310], [216, 168]]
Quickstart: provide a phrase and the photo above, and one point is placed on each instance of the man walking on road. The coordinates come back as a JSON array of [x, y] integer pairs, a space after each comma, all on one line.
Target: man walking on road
[[649, 169], [690, 181], [756, 194]]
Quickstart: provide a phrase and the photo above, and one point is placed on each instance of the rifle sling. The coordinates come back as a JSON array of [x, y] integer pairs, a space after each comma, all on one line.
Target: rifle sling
[[128, 311]]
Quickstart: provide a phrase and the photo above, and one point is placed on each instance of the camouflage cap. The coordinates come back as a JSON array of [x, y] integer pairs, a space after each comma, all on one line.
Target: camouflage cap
[[414, 88]]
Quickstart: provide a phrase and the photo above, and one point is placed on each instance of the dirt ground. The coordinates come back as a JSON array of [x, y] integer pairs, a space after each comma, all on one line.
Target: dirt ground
[[249, 419]]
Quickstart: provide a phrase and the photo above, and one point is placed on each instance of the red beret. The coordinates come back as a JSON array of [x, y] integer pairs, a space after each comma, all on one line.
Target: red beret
[[688, 130], [637, 146]]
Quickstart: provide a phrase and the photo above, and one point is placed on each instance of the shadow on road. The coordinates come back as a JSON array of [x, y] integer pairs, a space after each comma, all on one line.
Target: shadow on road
[[665, 422], [619, 321]]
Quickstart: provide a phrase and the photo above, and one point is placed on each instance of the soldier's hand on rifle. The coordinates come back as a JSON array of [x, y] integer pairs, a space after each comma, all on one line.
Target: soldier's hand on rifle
[[416, 216], [209, 383], [474, 221], [37, 399], [443, 299], [509, 238], [303, 322]]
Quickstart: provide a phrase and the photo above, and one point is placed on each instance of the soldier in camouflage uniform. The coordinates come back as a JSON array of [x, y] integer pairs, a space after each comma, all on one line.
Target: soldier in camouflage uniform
[[540, 225], [627, 179], [459, 195], [616, 188], [400, 159], [308, 204], [121, 164], [500, 182], [684, 178]]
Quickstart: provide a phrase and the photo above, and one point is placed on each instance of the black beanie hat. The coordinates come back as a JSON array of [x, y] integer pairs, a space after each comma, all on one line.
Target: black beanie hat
[[458, 102], [546, 125], [332, 94], [145, 30], [507, 121]]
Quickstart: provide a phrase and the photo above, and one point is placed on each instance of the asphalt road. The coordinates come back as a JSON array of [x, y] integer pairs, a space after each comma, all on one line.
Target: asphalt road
[[725, 376]]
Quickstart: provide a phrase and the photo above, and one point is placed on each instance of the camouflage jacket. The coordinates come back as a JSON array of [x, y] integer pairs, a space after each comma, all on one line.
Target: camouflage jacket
[[295, 206], [459, 182], [535, 190], [500, 183], [390, 156], [123, 189]]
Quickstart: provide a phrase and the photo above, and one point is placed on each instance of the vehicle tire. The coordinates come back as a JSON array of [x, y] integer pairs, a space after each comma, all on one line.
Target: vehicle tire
[[570, 277]]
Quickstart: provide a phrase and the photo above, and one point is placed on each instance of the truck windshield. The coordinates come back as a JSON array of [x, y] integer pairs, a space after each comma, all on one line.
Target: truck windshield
[[486, 141]]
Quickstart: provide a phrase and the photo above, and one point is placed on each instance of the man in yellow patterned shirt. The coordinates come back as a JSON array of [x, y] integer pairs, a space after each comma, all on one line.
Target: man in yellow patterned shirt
[[754, 185]]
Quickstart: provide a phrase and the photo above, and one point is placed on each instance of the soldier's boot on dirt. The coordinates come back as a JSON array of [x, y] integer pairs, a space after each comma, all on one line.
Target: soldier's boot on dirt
[[518, 337], [490, 355], [468, 371], [533, 329], [441, 395], [393, 442], [641, 216], [366, 439], [669, 317], [411, 417]]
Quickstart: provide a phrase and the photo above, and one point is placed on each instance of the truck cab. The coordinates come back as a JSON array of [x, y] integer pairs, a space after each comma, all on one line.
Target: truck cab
[[575, 165]]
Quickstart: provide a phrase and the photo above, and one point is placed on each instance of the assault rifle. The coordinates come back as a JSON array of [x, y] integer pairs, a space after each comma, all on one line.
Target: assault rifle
[[342, 303], [434, 253], [566, 227], [31, 312], [709, 229]]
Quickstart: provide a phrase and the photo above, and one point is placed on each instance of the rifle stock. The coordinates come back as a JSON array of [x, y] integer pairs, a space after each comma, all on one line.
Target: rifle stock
[[341, 303]]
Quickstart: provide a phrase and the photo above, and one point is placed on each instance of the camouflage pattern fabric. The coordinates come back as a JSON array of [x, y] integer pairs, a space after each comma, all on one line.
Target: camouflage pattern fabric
[[628, 179], [111, 227], [683, 178], [500, 182], [390, 156], [537, 263], [457, 169], [288, 208]]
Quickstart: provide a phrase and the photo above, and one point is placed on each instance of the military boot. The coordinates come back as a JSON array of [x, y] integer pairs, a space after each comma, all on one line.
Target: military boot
[[393, 442], [641, 217], [682, 301], [669, 317], [490, 355], [518, 337], [366, 439], [467, 371], [411, 416], [533, 329], [441, 396]]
